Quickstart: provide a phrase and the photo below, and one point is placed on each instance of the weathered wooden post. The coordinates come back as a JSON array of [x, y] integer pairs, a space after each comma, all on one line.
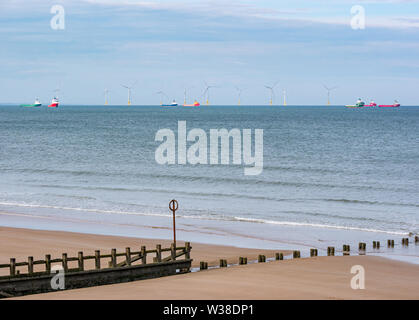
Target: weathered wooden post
[[313, 252], [374, 244], [187, 250], [158, 253], [240, 260], [277, 256], [378, 244], [65, 262], [12, 267], [296, 254], [174, 205], [416, 239], [81, 261], [113, 258], [389, 243], [203, 265], [48, 263], [223, 263], [143, 255], [173, 251], [30, 265], [97, 259], [392, 243], [330, 251], [128, 255]]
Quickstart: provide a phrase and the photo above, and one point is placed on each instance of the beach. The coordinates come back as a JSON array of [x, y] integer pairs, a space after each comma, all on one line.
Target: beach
[[305, 278]]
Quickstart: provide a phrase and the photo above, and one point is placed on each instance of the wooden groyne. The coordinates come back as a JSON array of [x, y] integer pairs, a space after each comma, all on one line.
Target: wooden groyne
[[120, 267]]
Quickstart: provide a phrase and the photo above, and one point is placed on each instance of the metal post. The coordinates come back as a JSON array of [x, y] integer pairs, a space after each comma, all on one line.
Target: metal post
[[173, 205]]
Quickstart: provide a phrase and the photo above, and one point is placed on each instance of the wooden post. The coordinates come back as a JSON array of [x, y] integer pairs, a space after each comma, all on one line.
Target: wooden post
[[244, 260], [330, 251], [12, 267], [65, 262], [277, 256], [416, 239], [296, 254], [113, 258], [223, 263], [158, 253], [388, 243], [187, 250], [128, 255], [143, 255], [30, 265], [97, 259], [173, 251], [48, 263], [378, 244], [81, 261], [240, 260], [374, 244], [203, 265]]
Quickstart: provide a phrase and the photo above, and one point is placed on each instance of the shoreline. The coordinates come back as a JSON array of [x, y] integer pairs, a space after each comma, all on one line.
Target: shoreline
[[305, 278], [236, 234]]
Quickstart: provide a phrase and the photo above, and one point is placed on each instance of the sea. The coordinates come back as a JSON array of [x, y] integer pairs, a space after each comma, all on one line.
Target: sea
[[331, 176]]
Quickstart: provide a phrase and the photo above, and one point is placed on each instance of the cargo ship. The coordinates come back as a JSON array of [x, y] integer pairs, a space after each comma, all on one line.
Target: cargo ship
[[54, 103], [36, 104], [396, 104], [359, 104], [173, 104], [195, 104]]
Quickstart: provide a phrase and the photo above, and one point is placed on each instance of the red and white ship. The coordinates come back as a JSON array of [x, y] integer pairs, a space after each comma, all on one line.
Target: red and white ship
[[54, 103]]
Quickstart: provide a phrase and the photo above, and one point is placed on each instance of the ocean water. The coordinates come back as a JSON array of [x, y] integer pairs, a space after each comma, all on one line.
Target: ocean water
[[331, 175]]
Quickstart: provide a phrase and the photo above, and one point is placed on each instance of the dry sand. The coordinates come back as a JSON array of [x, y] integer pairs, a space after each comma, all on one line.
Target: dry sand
[[309, 278]]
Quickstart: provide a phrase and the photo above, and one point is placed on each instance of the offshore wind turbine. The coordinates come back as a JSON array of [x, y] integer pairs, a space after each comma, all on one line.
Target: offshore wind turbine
[[161, 93], [207, 87], [328, 93], [285, 97], [239, 94], [272, 91], [106, 96], [129, 91]]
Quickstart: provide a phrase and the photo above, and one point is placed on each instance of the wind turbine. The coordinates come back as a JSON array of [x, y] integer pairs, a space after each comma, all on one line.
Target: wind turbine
[[328, 93], [161, 93], [240, 94], [106, 96], [285, 99], [272, 91], [129, 91], [207, 87]]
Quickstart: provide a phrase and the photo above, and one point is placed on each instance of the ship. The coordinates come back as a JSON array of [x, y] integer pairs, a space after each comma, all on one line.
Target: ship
[[359, 104], [195, 104], [372, 104], [54, 103], [173, 104], [396, 104], [36, 104]]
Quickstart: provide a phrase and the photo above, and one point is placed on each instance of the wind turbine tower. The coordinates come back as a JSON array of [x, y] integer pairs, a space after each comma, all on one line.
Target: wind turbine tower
[[285, 97], [328, 93], [106, 96], [240, 94], [207, 87], [272, 92], [129, 92]]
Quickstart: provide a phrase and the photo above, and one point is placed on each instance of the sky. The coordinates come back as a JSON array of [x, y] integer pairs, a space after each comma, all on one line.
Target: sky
[[171, 45]]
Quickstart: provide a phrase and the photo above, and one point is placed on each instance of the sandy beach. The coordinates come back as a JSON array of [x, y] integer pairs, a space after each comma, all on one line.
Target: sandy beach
[[308, 278]]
